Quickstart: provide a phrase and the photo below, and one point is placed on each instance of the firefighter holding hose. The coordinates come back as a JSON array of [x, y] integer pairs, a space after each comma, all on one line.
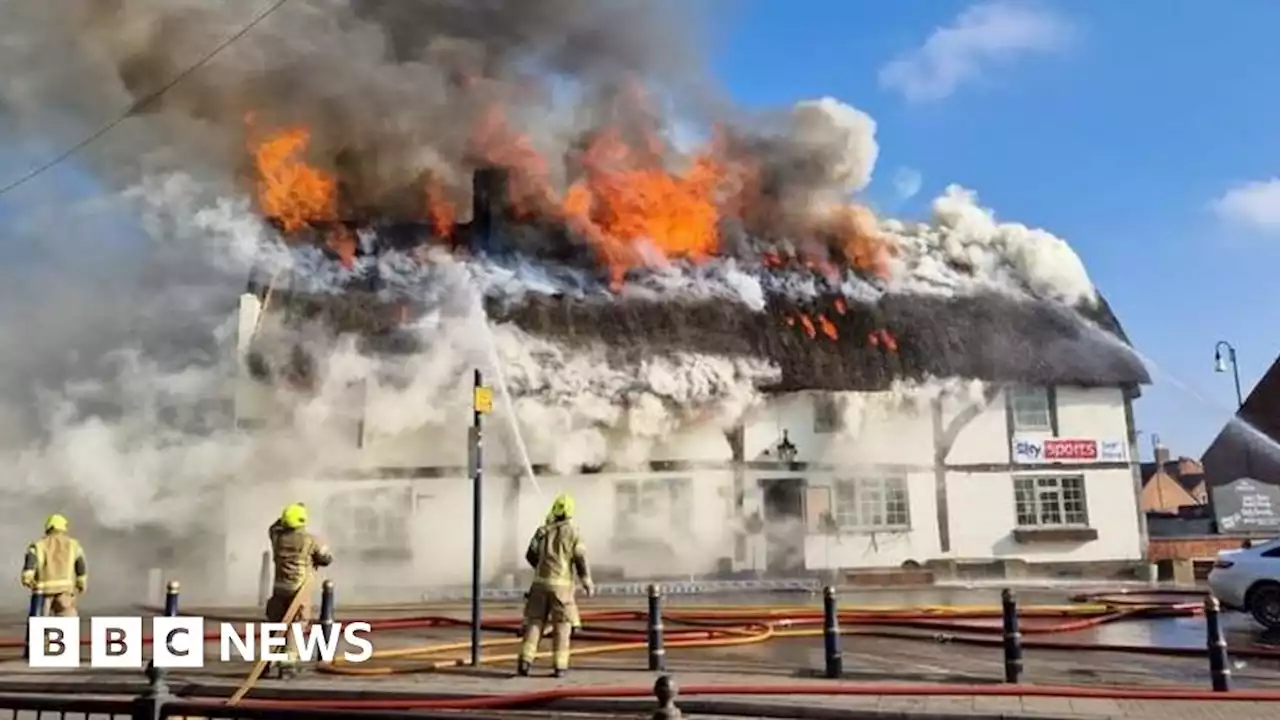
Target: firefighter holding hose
[[55, 568], [556, 553], [296, 555]]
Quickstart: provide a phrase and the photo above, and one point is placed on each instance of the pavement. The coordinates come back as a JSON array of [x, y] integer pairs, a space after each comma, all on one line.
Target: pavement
[[885, 676]]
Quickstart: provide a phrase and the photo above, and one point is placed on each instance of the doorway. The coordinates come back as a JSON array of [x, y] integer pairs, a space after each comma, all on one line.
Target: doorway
[[784, 529]]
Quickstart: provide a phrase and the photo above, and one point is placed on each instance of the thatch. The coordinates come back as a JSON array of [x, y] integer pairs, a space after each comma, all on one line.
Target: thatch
[[988, 337]]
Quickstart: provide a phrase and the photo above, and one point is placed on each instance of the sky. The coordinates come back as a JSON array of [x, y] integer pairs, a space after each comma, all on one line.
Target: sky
[[1146, 133], [1143, 132]]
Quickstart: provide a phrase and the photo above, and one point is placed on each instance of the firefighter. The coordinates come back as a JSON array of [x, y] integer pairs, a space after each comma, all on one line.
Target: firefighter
[[556, 553], [55, 568], [296, 554]]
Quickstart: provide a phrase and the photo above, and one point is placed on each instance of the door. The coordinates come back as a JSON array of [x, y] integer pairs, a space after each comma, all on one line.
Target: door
[[784, 528]]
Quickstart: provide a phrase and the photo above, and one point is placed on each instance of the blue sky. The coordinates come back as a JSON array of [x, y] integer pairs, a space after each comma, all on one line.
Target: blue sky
[[1141, 131], [1116, 125]]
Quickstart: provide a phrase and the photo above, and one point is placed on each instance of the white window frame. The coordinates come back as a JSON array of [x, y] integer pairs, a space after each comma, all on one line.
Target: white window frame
[[871, 503], [370, 519], [827, 418], [1031, 409], [646, 497], [1047, 501]]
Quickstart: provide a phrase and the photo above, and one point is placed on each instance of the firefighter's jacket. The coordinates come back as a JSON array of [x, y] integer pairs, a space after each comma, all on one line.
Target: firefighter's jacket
[[296, 554], [54, 565], [555, 552]]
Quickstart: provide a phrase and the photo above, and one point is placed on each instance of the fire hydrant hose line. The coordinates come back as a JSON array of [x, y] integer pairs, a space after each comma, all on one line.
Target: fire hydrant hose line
[[701, 626]]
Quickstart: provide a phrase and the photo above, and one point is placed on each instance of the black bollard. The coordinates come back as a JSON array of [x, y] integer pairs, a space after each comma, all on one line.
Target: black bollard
[[1012, 636], [1219, 670], [665, 690], [831, 633], [35, 608], [657, 653], [326, 609], [171, 598]]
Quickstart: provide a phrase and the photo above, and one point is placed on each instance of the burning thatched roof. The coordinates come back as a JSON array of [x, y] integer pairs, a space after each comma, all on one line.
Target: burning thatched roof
[[988, 337]]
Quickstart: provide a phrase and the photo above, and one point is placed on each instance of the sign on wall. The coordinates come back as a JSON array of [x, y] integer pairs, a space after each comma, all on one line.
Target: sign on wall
[[1243, 505], [1067, 450]]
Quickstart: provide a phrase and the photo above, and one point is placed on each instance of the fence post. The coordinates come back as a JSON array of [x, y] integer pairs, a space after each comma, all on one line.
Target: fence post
[[664, 688], [35, 608], [1219, 669], [657, 653], [150, 704], [831, 634], [326, 609], [1012, 636], [264, 579], [171, 598]]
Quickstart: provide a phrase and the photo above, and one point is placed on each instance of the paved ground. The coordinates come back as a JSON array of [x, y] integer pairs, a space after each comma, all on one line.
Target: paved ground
[[871, 662]]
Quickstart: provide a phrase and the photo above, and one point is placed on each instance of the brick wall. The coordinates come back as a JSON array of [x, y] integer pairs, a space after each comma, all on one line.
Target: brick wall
[[1192, 548]]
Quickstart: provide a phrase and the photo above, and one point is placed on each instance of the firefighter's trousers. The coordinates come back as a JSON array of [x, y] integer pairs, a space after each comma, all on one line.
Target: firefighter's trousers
[[554, 606]]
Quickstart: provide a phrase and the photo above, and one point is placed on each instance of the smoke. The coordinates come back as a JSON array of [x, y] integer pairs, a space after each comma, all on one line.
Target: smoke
[[120, 402]]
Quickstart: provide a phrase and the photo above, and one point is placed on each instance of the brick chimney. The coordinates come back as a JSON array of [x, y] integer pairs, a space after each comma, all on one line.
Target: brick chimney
[[489, 205], [1162, 456]]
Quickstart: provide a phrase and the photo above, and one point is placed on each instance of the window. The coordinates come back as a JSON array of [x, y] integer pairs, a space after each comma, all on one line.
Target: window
[[872, 503], [660, 505], [1031, 409], [827, 416], [372, 522], [1050, 501]]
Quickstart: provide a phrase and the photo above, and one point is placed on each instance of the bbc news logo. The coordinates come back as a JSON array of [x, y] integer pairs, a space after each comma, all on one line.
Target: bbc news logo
[[179, 642]]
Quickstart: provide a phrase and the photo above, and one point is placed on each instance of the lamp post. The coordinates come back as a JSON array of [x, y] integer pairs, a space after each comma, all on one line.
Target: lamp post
[[786, 450], [1220, 365]]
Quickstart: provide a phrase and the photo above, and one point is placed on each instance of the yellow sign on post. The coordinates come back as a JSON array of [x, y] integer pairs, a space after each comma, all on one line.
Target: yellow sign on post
[[482, 402]]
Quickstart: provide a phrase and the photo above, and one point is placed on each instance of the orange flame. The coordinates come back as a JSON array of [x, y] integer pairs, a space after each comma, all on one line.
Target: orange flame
[[440, 212], [637, 213], [290, 190], [828, 328], [809, 329]]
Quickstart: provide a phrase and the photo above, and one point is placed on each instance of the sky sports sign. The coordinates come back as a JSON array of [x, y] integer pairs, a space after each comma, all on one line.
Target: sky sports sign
[[179, 642]]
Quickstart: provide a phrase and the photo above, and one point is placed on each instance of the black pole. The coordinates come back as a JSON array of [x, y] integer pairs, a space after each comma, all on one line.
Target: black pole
[[35, 608], [1012, 636], [1235, 375], [171, 598], [1219, 670], [326, 609], [657, 654], [479, 405], [831, 633]]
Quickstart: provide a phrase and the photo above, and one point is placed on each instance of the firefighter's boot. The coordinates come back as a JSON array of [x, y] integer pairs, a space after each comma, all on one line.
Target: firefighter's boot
[[523, 667]]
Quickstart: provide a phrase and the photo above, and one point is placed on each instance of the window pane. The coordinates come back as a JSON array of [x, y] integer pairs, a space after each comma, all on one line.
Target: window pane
[[1030, 409], [1050, 508]]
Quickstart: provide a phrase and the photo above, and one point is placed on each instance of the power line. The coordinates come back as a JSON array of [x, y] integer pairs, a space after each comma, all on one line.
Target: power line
[[141, 102]]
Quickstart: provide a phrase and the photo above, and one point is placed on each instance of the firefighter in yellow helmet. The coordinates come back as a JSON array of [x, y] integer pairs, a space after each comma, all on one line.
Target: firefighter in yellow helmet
[[556, 553], [296, 554], [55, 568]]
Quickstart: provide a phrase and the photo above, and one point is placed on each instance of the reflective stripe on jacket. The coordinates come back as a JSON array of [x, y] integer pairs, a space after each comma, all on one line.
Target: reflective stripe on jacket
[[58, 560], [558, 549], [296, 553]]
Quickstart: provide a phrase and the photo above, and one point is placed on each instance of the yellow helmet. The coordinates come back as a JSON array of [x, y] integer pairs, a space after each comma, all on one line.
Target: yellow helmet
[[562, 508], [56, 523], [294, 516]]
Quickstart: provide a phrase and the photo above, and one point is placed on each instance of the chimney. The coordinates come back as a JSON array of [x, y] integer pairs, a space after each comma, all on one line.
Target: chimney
[[1162, 456], [489, 188]]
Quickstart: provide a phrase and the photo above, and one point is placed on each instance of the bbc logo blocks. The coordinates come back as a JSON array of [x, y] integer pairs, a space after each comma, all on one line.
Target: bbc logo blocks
[[117, 642]]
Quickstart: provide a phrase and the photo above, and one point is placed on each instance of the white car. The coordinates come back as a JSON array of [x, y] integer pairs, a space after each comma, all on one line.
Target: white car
[[1249, 580]]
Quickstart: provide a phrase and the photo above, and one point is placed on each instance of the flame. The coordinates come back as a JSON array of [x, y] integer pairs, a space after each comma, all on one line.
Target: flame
[[441, 213], [809, 329], [638, 214], [828, 328], [290, 190]]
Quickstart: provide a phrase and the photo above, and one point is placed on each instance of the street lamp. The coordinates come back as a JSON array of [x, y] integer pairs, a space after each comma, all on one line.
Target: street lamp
[[786, 449], [1220, 365]]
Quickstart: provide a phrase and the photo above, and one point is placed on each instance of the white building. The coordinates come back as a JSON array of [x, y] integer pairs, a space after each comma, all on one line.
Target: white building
[[1044, 474]]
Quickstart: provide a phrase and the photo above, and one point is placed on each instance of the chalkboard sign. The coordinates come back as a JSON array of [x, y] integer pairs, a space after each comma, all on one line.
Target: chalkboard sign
[[1246, 505]]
